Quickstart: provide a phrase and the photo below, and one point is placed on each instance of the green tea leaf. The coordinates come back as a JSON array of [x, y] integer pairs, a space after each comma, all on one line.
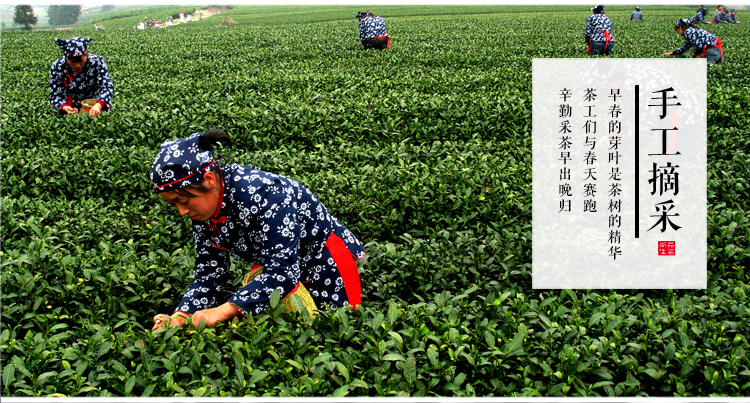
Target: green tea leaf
[[392, 313], [410, 370], [393, 357], [41, 379], [9, 375], [653, 373], [149, 390], [596, 318], [299, 306], [58, 327], [358, 383], [202, 391], [275, 298], [343, 370], [130, 384], [515, 347], [295, 364], [433, 357], [489, 338], [323, 357], [87, 389], [398, 341], [103, 348], [378, 320], [340, 392], [257, 375], [20, 366]]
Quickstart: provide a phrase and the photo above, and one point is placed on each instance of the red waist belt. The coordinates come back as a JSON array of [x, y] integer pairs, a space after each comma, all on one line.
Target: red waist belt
[[718, 45], [606, 42], [344, 261]]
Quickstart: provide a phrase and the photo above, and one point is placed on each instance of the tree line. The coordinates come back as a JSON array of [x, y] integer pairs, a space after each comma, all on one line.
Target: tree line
[[57, 15]]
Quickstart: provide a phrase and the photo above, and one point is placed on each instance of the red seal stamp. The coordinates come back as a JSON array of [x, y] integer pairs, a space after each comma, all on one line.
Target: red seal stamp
[[666, 248]]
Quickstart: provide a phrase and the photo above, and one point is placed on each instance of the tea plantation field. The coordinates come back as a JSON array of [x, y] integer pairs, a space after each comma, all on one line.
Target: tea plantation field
[[424, 151]]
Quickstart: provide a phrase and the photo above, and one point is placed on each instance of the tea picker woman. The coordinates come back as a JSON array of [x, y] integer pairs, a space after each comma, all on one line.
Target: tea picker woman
[[719, 16], [241, 212], [700, 16], [732, 17], [78, 75], [372, 31], [636, 15], [704, 44], [598, 33]]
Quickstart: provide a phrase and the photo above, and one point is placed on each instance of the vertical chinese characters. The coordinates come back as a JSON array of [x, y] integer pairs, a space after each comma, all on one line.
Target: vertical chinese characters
[[565, 190], [665, 178], [589, 157], [614, 192], [619, 174]]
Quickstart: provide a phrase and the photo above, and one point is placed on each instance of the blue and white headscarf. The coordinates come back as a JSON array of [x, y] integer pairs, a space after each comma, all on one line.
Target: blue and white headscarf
[[181, 163], [74, 46], [683, 22]]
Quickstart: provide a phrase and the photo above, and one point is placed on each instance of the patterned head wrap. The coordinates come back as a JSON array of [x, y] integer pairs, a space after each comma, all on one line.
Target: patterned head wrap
[[181, 162], [74, 46], [683, 22]]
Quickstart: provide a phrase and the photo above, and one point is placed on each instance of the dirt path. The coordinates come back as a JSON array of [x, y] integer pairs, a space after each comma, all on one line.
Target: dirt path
[[209, 12], [198, 15]]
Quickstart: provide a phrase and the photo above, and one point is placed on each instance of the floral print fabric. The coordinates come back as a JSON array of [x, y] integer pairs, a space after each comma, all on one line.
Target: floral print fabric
[[68, 87], [277, 223], [372, 27], [179, 162], [696, 38], [698, 17], [74, 46], [595, 24]]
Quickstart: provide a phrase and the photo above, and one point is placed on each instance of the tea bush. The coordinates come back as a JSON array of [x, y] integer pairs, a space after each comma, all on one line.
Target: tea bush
[[424, 151]]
